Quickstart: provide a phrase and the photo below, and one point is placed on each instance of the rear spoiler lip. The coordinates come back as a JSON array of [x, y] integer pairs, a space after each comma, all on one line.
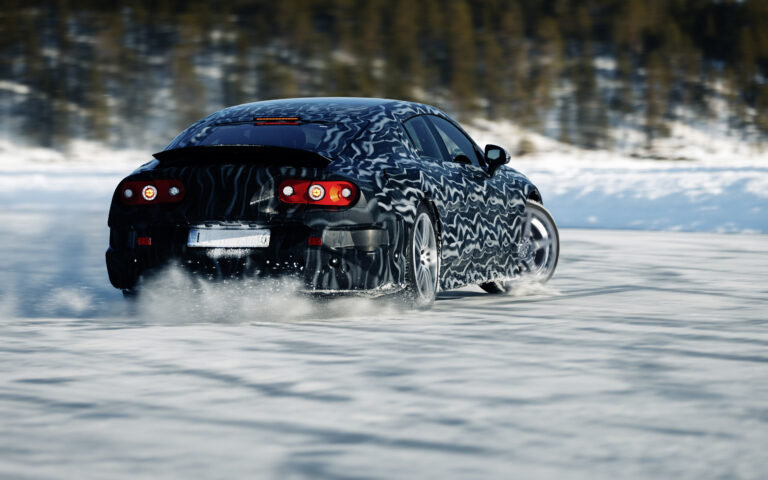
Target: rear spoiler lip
[[244, 154]]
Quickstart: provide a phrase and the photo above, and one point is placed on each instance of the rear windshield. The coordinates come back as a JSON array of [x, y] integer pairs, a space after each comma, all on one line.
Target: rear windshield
[[325, 138]]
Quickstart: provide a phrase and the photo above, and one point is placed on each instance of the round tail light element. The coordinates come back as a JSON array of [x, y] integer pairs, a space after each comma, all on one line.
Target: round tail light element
[[149, 192], [316, 192]]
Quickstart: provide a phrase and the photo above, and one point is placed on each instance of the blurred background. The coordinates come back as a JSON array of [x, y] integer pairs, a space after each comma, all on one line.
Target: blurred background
[[616, 75], [644, 358]]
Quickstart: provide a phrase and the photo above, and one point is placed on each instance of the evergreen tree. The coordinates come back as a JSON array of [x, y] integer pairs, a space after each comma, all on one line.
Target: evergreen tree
[[107, 70], [461, 49], [402, 71], [368, 49]]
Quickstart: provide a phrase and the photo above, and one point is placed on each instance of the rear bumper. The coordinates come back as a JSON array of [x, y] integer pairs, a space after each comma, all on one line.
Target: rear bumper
[[355, 259]]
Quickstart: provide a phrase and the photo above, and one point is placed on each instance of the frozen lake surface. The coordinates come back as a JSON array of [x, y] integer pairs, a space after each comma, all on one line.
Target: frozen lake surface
[[645, 357]]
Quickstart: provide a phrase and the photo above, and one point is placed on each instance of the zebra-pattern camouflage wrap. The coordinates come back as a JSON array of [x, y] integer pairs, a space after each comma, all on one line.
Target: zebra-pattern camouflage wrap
[[478, 216]]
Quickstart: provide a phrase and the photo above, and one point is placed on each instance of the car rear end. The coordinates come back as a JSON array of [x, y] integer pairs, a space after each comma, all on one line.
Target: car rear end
[[250, 210]]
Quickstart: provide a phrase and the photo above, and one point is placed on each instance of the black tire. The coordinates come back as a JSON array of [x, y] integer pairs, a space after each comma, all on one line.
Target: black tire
[[539, 249], [422, 273], [494, 288]]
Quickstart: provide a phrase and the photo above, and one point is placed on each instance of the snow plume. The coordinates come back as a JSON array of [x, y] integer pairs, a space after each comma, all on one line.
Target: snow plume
[[532, 286], [65, 301], [176, 296], [61, 302]]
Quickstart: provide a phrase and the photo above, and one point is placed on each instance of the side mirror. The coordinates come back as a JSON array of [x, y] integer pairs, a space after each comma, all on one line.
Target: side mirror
[[495, 156]]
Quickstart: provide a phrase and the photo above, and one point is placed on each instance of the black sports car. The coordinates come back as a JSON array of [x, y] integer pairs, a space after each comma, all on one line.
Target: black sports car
[[350, 195]]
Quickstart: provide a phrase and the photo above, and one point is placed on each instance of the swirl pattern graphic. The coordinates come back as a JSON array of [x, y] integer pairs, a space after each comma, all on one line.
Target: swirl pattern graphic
[[478, 214]]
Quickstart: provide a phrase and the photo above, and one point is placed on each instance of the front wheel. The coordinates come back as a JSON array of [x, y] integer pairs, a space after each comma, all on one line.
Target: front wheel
[[423, 261], [538, 250]]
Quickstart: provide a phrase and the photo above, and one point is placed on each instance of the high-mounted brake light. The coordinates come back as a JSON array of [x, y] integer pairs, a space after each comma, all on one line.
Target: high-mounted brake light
[[330, 193], [151, 192], [277, 120]]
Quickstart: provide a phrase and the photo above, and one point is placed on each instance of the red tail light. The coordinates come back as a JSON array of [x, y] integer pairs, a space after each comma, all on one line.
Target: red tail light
[[149, 192], [332, 193]]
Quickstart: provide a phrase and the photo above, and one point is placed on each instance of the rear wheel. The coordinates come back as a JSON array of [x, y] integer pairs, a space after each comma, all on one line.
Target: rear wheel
[[538, 250], [423, 261]]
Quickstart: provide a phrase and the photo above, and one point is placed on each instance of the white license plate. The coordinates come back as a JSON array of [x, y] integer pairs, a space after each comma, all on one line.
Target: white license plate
[[228, 237]]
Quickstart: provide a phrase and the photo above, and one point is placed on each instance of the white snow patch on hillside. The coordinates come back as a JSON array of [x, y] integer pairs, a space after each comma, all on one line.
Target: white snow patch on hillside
[[686, 143], [14, 87]]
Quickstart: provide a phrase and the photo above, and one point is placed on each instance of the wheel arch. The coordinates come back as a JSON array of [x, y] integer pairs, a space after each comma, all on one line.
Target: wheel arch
[[430, 204], [535, 196]]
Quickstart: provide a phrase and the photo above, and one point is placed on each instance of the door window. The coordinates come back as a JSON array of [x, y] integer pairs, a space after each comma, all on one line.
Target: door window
[[456, 143], [421, 136]]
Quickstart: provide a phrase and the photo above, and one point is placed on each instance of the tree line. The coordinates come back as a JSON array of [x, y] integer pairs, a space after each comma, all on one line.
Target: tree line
[[134, 72]]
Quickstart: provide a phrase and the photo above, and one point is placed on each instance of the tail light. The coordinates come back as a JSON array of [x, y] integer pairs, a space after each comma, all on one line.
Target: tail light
[[332, 193], [149, 192]]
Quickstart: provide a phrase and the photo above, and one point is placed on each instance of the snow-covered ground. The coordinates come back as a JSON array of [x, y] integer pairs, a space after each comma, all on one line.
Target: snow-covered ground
[[645, 357]]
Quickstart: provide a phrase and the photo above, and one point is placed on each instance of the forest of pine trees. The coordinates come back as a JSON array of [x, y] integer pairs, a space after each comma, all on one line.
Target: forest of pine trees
[[132, 73]]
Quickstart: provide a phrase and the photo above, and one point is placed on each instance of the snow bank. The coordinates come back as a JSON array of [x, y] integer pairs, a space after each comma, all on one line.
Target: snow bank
[[93, 155], [81, 179], [583, 189], [652, 195], [722, 187]]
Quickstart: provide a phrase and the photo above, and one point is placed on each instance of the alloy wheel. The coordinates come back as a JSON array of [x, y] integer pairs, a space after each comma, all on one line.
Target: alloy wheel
[[425, 257]]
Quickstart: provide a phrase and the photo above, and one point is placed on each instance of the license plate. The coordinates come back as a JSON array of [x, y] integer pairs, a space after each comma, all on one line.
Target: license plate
[[228, 237]]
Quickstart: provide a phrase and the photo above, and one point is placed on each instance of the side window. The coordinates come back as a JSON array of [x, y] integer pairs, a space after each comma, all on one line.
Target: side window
[[422, 138], [455, 141]]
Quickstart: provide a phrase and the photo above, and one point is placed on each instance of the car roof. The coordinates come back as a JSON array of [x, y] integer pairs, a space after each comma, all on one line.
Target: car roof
[[317, 108], [352, 112]]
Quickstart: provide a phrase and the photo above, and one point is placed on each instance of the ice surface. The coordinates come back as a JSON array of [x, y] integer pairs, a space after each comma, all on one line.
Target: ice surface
[[645, 357]]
